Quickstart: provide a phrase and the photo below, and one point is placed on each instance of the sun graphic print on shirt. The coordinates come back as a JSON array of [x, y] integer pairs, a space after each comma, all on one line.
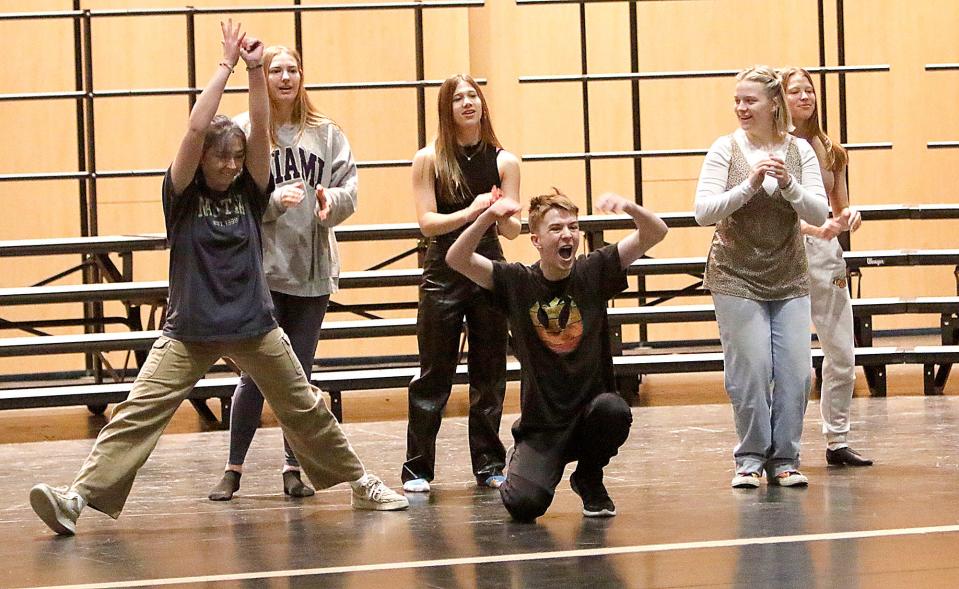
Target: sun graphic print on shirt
[[558, 323]]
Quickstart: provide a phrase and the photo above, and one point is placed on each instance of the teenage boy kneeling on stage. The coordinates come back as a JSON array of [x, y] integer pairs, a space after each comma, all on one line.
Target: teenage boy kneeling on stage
[[557, 315]]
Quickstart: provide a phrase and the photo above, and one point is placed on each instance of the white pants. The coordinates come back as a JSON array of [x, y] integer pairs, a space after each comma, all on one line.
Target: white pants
[[831, 313]]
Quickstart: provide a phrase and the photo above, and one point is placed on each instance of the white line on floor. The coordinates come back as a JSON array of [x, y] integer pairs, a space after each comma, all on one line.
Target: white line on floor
[[507, 558]]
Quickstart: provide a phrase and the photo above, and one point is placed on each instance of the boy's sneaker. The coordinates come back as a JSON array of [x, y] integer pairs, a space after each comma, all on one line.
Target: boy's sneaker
[[596, 501], [376, 496], [745, 480], [790, 478], [59, 509], [417, 486]]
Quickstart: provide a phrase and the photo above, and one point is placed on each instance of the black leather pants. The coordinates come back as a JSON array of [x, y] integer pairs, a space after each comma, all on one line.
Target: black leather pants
[[446, 299]]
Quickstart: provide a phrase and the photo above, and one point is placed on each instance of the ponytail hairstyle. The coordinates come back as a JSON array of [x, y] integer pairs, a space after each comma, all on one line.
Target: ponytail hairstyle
[[773, 88], [452, 184], [836, 156]]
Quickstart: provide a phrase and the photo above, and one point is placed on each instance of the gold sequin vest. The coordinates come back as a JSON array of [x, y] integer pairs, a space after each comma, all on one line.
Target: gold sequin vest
[[757, 252]]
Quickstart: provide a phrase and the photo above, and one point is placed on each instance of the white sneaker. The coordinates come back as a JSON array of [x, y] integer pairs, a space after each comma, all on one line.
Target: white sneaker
[[59, 509], [376, 496], [417, 486], [790, 478], [745, 480]]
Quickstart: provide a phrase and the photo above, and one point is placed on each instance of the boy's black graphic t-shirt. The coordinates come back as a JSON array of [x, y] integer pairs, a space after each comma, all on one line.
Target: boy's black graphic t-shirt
[[218, 291], [560, 335]]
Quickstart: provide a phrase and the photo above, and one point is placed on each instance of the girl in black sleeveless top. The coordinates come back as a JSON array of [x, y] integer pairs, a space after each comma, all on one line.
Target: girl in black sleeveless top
[[454, 180]]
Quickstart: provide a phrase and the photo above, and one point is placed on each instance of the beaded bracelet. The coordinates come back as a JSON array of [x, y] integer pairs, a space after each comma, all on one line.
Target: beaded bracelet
[[253, 67], [227, 66]]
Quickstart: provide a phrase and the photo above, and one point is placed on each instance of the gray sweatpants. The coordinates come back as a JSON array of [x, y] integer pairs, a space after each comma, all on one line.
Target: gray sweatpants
[[832, 315]]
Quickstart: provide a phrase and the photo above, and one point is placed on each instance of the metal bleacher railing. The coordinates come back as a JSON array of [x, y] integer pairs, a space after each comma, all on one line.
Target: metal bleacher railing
[[95, 250], [942, 67], [635, 76], [96, 266]]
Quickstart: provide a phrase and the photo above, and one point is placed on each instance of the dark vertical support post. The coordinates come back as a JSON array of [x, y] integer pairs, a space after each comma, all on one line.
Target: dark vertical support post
[[845, 239], [823, 119], [298, 28], [90, 126], [420, 77], [841, 48], [637, 144], [81, 126], [423, 243], [586, 143], [91, 273], [637, 121], [191, 54], [949, 328], [82, 154]]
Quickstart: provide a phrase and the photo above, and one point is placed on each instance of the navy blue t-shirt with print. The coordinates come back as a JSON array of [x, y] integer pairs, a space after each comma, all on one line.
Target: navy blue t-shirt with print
[[218, 291], [560, 335]]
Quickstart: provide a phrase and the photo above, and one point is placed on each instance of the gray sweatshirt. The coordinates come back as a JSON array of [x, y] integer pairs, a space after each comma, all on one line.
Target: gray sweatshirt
[[300, 255]]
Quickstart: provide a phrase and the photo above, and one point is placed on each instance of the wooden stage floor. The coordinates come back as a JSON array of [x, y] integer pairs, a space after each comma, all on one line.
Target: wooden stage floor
[[679, 524]]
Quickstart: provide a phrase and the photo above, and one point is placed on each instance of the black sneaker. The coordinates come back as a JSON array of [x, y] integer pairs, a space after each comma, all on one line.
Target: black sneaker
[[596, 501]]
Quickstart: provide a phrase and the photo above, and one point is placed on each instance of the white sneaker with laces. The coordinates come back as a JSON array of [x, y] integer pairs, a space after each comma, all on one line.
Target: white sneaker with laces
[[376, 496], [745, 480], [59, 509], [790, 478]]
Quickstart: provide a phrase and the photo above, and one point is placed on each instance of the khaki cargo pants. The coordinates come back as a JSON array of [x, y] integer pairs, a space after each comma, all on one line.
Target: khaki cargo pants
[[165, 380]]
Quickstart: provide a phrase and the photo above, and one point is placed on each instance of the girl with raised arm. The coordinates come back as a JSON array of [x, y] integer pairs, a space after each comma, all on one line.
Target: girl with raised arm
[[316, 189], [214, 197]]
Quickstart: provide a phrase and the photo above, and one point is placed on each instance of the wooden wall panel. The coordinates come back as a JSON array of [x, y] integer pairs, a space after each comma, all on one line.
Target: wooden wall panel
[[500, 42]]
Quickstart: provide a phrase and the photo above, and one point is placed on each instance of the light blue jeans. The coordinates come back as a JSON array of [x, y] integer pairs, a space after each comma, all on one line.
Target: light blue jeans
[[768, 366]]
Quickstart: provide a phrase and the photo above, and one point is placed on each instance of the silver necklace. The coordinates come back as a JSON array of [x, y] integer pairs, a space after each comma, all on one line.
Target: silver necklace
[[475, 148]]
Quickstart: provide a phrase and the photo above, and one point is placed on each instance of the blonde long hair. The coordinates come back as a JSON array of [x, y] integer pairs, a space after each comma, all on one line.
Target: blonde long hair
[[772, 85], [452, 184], [836, 156], [304, 114]]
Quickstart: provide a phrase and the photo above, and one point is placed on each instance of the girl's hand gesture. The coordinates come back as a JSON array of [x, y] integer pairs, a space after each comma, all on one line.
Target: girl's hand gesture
[[232, 41], [291, 195], [252, 51], [322, 207], [479, 204], [772, 166]]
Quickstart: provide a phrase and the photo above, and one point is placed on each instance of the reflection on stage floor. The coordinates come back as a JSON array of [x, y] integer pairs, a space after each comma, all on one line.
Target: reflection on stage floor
[[895, 524]]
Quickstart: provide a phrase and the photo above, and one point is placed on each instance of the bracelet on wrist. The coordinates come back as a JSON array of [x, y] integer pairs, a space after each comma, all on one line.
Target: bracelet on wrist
[[227, 66], [254, 66]]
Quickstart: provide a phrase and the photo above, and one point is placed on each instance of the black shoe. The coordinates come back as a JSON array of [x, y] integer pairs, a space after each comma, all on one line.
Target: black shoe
[[596, 501], [228, 485], [293, 485], [846, 456]]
